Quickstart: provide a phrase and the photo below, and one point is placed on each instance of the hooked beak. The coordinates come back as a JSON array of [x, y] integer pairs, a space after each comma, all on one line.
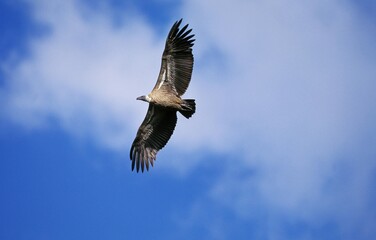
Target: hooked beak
[[142, 98]]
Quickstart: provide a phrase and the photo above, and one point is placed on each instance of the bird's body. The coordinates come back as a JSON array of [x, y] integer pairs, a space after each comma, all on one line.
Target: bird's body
[[165, 98]]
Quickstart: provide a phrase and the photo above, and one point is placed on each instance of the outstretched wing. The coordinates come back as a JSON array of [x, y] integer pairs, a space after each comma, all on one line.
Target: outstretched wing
[[177, 60], [153, 134]]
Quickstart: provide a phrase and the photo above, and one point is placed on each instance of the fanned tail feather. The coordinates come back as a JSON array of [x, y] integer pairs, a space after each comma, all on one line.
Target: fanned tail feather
[[189, 108]]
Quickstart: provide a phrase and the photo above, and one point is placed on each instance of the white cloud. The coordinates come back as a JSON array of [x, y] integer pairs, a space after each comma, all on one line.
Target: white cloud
[[85, 74], [295, 95], [285, 86]]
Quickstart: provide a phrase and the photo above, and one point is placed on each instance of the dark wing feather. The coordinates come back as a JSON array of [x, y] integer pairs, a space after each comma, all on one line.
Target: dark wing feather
[[153, 134], [177, 60]]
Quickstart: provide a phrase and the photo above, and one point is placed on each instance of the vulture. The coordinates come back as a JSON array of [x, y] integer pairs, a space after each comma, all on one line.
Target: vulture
[[165, 98]]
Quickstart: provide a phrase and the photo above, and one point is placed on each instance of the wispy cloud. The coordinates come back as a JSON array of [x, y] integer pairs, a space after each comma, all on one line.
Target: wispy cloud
[[295, 96], [84, 74], [286, 88]]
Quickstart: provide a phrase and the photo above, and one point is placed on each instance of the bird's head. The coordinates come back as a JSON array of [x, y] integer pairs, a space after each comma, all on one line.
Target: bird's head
[[144, 98]]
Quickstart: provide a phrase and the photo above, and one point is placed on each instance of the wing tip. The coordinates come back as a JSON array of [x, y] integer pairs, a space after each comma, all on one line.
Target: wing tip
[[141, 158], [177, 33]]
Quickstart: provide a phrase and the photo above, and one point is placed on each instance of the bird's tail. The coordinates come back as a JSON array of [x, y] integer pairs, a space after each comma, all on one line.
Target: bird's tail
[[188, 108]]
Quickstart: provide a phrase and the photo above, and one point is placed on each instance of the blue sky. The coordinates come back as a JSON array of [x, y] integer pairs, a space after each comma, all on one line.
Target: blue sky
[[281, 145]]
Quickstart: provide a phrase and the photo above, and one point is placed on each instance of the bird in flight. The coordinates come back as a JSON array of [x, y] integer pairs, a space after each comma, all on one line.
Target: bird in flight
[[165, 98]]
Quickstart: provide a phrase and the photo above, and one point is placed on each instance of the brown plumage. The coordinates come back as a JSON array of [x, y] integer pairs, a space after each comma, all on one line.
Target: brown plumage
[[165, 98]]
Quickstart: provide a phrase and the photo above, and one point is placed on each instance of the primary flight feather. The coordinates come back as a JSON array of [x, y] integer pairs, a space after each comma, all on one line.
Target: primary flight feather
[[165, 99]]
